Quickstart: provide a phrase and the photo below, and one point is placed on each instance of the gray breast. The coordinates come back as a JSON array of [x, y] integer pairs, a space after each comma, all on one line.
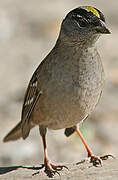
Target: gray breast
[[72, 91]]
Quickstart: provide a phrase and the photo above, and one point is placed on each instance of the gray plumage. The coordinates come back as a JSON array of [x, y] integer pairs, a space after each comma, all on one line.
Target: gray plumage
[[66, 86]]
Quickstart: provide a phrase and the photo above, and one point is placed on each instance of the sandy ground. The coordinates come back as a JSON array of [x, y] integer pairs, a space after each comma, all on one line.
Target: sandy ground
[[79, 170], [28, 31]]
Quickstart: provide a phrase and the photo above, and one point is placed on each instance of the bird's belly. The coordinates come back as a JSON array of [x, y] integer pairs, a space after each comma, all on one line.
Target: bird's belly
[[74, 110], [67, 109]]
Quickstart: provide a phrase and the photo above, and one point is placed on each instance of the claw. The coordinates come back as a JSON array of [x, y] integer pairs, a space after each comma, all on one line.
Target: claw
[[99, 160], [58, 168], [96, 160], [50, 172], [105, 157], [51, 169]]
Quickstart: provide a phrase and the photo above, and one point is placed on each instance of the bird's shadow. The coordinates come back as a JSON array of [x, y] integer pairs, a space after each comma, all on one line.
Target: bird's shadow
[[4, 170]]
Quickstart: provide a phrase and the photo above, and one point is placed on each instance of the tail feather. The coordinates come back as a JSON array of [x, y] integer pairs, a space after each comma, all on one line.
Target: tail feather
[[16, 133], [26, 129], [69, 131]]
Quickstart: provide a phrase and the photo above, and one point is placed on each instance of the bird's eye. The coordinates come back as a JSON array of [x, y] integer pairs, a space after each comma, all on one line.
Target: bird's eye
[[81, 21]]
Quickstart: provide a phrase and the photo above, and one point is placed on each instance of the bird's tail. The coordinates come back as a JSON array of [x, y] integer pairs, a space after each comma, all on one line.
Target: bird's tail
[[69, 131], [15, 133]]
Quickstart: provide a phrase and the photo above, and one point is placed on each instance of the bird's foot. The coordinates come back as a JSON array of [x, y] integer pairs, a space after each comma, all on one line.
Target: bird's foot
[[51, 169], [96, 160]]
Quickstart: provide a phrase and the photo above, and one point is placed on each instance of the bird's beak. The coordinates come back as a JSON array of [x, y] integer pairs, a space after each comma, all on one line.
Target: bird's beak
[[102, 28]]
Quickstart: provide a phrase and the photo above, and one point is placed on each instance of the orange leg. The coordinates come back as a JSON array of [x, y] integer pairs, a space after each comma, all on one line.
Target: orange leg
[[94, 159], [85, 144], [50, 169]]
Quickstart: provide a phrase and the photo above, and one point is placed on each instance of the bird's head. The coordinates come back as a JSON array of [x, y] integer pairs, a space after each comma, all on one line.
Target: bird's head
[[84, 24]]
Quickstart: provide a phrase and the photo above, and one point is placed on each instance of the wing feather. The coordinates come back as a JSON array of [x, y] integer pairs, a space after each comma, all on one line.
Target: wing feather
[[31, 97]]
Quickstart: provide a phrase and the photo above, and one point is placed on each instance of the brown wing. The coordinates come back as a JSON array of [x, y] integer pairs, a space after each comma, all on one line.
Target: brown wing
[[32, 95]]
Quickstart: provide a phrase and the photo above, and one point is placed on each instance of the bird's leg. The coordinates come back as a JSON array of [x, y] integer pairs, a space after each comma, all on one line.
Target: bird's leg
[[93, 159], [50, 169]]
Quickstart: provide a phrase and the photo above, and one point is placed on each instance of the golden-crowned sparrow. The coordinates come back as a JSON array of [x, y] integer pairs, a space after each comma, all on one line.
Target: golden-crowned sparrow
[[66, 86]]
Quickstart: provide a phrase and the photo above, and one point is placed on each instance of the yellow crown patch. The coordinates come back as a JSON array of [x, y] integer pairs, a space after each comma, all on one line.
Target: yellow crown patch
[[93, 10]]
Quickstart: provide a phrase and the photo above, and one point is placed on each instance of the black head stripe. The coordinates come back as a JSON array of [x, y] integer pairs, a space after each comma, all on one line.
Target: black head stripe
[[101, 15]]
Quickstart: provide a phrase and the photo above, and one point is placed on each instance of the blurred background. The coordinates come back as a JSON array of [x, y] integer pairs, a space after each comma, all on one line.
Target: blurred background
[[28, 31]]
